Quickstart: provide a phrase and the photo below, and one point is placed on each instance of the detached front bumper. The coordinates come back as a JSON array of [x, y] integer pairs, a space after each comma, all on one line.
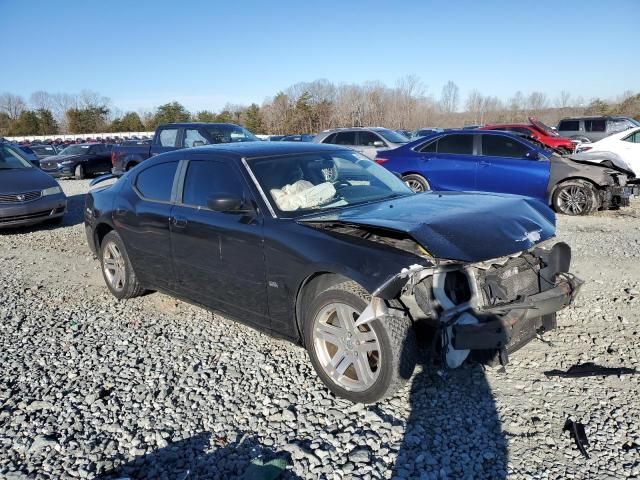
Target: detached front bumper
[[521, 323]]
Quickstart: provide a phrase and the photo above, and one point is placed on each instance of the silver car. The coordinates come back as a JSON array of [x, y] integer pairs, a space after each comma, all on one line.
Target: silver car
[[594, 128], [366, 140]]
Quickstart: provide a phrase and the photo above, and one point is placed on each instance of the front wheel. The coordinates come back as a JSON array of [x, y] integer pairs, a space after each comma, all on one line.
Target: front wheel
[[417, 183], [363, 364], [575, 197], [116, 268]]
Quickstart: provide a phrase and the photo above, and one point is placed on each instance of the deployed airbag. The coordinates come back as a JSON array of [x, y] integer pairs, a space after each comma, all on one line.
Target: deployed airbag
[[302, 194]]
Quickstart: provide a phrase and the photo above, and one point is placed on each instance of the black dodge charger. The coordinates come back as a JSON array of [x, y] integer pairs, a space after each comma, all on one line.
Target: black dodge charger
[[318, 244]]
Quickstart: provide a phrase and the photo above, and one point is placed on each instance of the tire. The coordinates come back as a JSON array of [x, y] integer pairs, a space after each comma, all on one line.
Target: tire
[[389, 355], [130, 166], [79, 172], [116, 268], [417, 183], [575, 197]]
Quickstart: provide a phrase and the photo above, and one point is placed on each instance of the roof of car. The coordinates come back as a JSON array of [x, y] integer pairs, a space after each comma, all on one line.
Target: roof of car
[[267, 149], [341, 129], [599, 117], [192, 124]]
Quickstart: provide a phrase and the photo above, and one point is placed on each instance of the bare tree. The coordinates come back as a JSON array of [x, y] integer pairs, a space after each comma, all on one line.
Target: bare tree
[[537, 101], [41, 100], [563, 100], [475, 106], [12, 105], [449, 97]]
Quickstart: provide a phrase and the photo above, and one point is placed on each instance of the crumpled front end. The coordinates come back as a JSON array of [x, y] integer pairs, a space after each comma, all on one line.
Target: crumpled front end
[[497, 306]]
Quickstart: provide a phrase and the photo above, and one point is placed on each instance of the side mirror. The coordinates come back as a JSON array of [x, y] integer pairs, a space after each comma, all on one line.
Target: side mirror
[[378, 144], [532, 155], [198, 143], [225, 202]]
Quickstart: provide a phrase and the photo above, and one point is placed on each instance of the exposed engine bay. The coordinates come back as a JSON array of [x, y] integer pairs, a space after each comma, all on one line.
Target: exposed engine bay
[[497, 305]]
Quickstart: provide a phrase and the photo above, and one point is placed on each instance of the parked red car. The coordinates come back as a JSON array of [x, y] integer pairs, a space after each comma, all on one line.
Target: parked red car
[[538, 131]]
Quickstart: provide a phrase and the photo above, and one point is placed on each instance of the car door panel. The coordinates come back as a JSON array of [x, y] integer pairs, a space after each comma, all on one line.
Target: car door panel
[[448, 163], [218, 257], [512, 174]]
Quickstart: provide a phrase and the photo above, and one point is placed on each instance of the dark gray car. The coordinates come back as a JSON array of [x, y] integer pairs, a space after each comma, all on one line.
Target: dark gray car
[[27, 194]]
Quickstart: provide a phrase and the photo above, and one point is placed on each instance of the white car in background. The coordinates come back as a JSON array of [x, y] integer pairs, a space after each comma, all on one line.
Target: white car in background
[[622, 148]]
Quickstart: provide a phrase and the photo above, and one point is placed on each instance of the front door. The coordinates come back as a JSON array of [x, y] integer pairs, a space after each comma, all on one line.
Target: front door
[[504, 167], [218, 256]]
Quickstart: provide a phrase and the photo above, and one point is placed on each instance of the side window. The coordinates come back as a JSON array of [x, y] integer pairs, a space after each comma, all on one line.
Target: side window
[[168, 137], [156, 182], [429, 147], [595, 125], [499, 146], [330, 139], [633, 138], [345, 138], [209, 177], [193, 135], [619, 125], [367, 139], [569, 125], [459, 144]]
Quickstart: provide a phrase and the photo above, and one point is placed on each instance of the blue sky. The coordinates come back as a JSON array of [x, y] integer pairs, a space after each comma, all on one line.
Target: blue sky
[[207, 53]]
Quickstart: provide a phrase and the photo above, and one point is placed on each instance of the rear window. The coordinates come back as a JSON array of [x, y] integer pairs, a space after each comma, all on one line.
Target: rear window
[[459, 144], [345, 138], [595, 125], [168, 137], [569, 125], [156, 182]]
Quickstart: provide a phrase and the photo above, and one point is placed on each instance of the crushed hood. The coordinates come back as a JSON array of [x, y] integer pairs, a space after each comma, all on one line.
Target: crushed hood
[[469, 227]]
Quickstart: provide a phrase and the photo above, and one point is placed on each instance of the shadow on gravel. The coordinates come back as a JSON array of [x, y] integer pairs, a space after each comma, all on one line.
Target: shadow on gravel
[[206, 457], [453, 429]]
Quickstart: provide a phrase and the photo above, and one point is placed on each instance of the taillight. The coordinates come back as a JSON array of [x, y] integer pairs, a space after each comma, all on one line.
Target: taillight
[[380, 160], [113, 159]]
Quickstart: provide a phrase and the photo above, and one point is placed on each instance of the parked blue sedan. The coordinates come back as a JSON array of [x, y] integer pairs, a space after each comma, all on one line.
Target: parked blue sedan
[[492, 161]]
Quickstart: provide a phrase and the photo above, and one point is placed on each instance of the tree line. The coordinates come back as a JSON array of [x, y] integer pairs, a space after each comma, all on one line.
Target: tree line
[[307, 107]]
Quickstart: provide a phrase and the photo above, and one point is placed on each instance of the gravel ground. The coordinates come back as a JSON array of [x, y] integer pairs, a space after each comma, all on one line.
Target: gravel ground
[[156, 388]]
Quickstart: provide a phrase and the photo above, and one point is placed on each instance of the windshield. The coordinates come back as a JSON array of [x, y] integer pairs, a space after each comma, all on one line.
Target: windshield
[[75, 150], [306, 183], [12, 160], [230, 134], [393, 137]]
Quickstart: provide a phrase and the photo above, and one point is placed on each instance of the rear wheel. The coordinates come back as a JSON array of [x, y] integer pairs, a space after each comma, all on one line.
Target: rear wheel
[[79, 172], [362, 364], [575, 197], [116, 268], [417, 183]]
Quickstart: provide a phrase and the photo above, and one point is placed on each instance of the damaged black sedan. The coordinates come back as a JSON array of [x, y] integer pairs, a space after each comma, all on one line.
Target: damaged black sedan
[[321, 246]]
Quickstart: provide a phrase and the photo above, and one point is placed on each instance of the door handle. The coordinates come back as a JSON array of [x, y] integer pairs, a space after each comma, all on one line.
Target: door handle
[[179, 222], [484, 164]]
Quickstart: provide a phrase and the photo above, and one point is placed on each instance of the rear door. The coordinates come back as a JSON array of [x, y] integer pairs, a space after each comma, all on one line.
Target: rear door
[[449, 163], [503, 167], [143, 218], [218, 256], [167, 139]]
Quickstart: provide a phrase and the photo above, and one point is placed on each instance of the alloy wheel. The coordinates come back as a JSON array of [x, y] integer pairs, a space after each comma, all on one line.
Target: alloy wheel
[[114, 266], [349, 355], [573, 200]]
